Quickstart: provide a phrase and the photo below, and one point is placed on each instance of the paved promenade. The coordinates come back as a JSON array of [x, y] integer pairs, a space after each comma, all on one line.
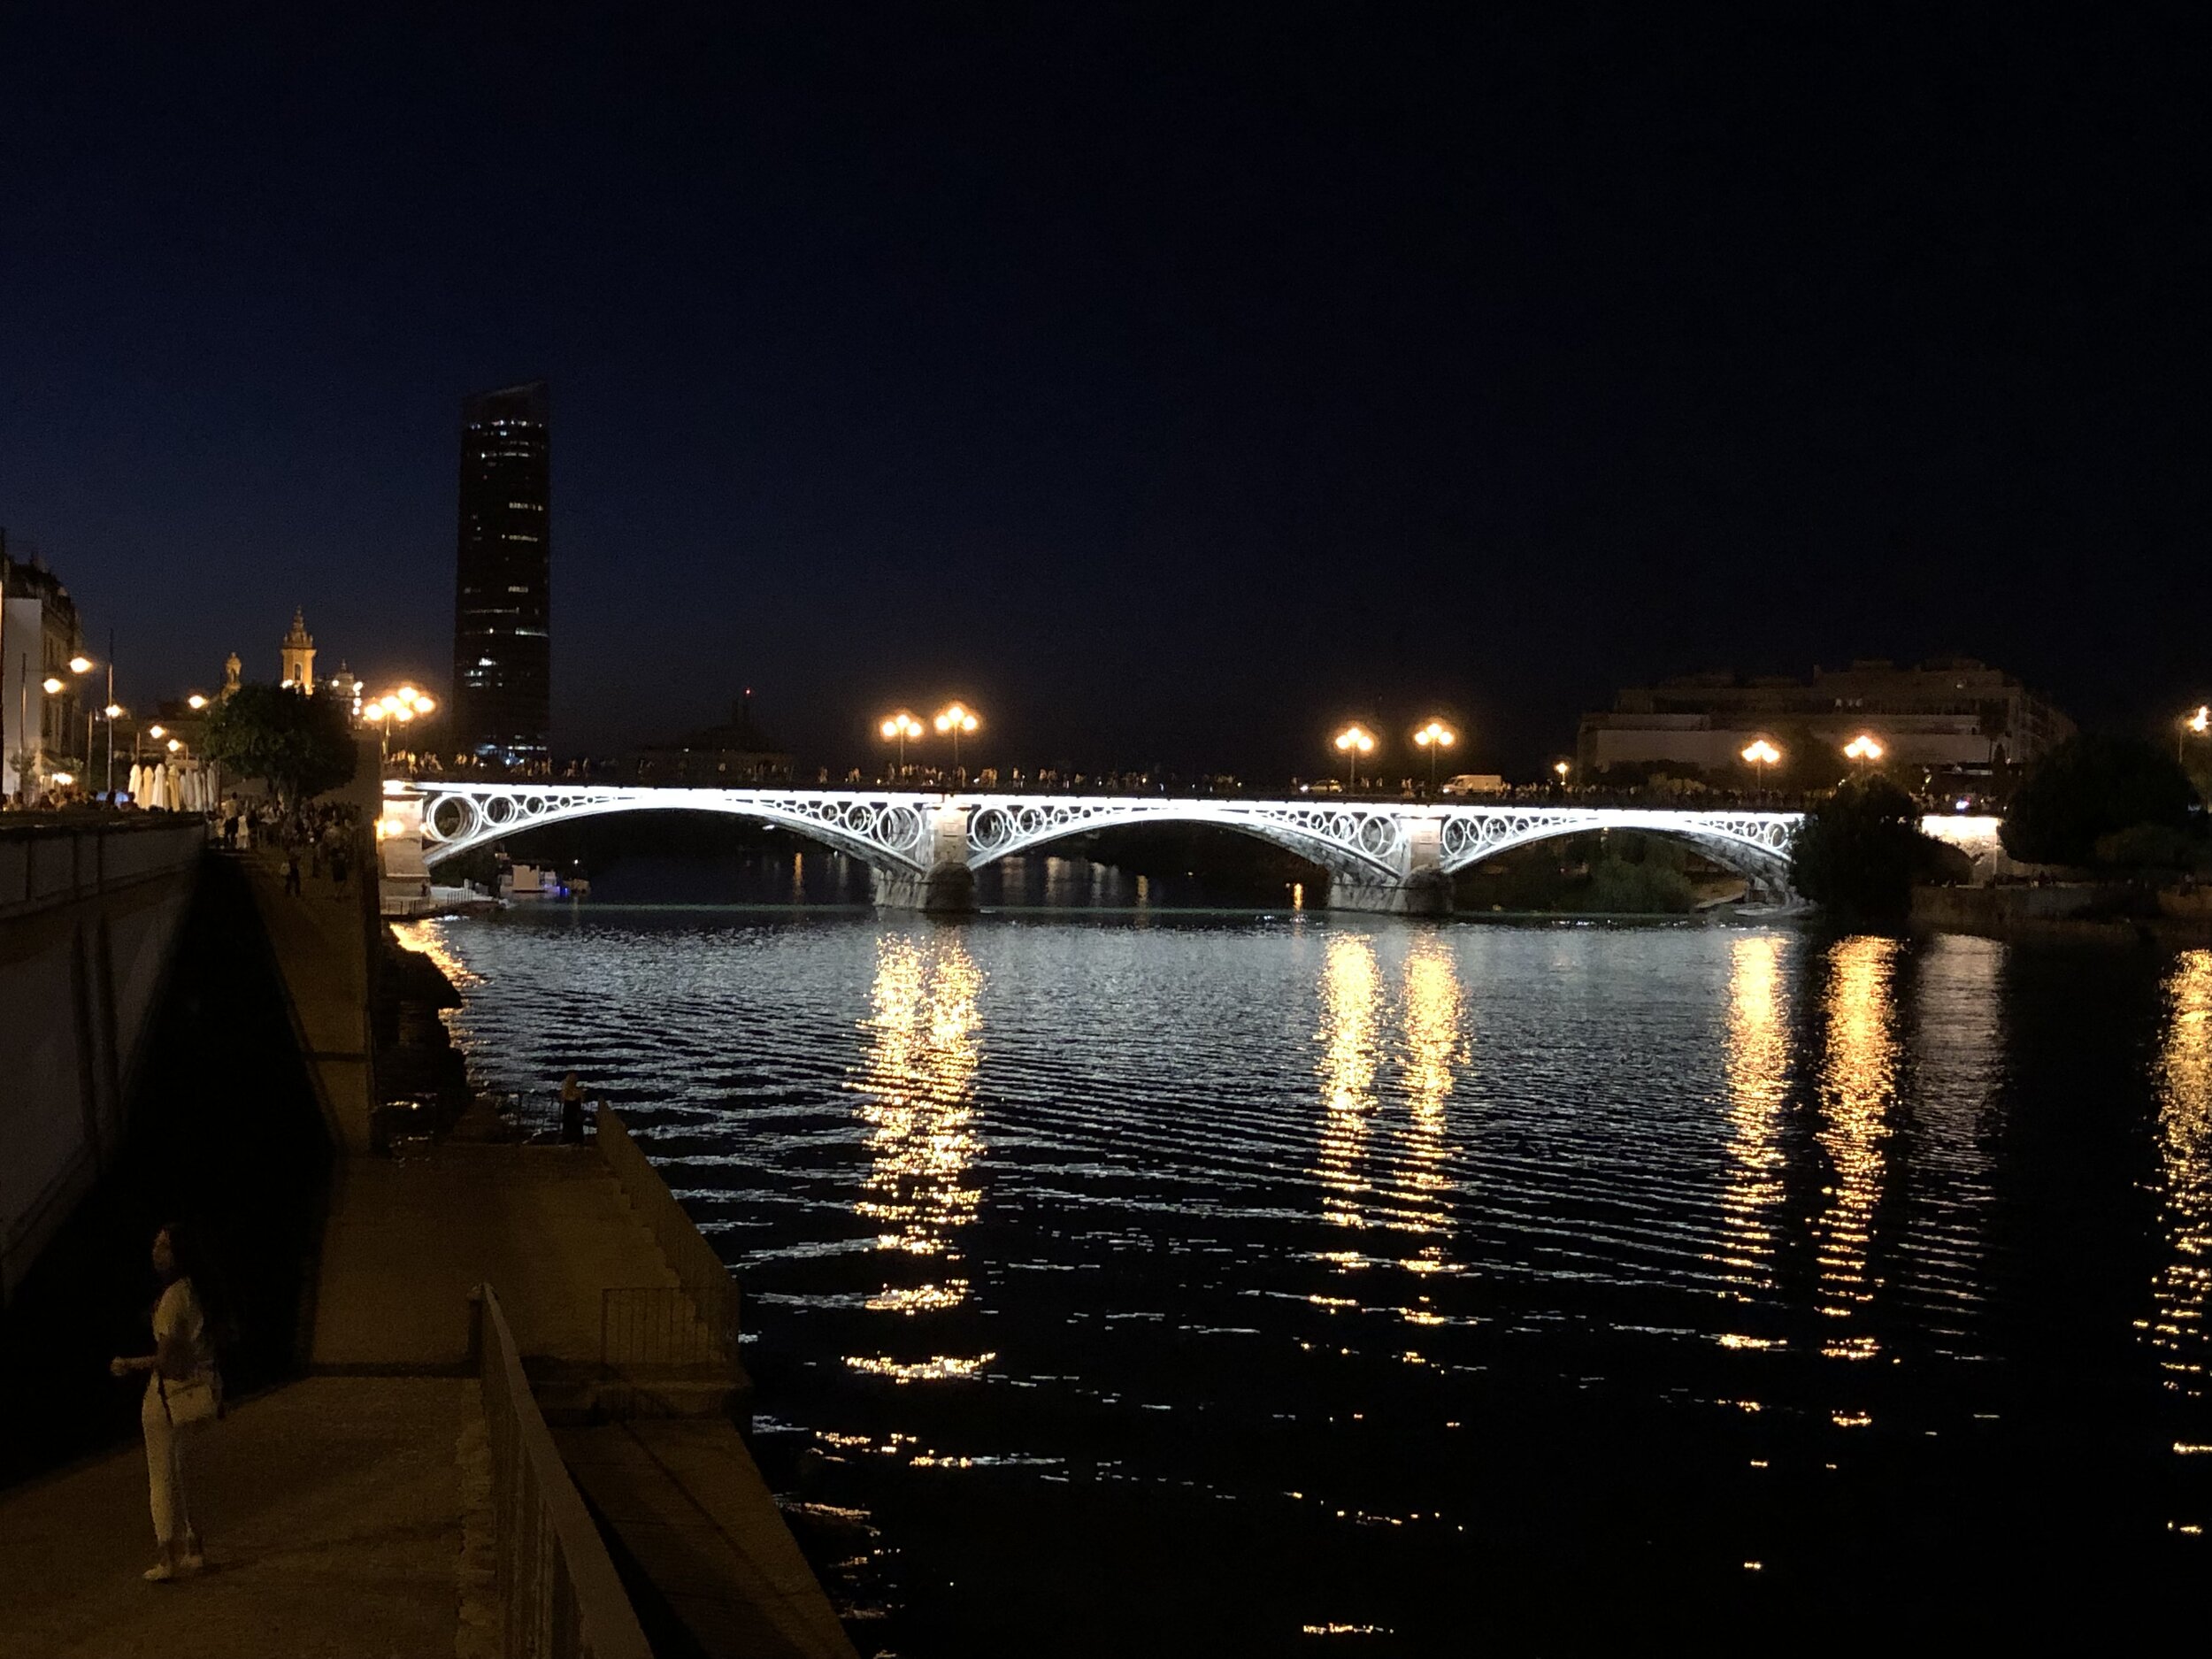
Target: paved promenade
[[332, 1511]]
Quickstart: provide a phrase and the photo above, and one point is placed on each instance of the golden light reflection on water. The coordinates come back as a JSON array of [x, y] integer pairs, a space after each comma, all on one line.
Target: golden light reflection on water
[[2176, 1327], [1758, 1085], [1858, 1087], [937, 1367], [1375, 1172], [428, 937], [1351, 1023], [917, 1091]]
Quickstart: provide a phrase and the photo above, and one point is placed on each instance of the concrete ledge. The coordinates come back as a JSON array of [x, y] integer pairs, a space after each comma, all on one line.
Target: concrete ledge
[[692, 1514]]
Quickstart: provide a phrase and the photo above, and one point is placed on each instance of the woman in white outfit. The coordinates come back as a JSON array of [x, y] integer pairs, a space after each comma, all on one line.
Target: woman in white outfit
[[182, 1388]]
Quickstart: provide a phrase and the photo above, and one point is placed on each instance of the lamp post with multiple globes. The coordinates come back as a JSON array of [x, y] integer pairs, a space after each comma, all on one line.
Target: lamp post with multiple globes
[[897, 728], [1862, 750], [1434, 736], [404, 705], [1353, 741], [1761, 755], [957, 718]]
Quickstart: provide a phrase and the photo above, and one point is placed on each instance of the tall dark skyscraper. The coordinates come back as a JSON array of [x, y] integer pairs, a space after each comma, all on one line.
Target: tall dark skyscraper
[[503, 647]]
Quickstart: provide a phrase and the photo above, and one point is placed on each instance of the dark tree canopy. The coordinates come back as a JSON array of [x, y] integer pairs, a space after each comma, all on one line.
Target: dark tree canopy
[[2089, 787], [1859, 851], [302, 745]]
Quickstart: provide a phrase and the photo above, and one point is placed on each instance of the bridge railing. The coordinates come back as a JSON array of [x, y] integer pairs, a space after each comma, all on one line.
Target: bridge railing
[[1522, 795], [558, 1592]]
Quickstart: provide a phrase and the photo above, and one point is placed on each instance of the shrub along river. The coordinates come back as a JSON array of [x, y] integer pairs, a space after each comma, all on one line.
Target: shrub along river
[[1170, 1280]]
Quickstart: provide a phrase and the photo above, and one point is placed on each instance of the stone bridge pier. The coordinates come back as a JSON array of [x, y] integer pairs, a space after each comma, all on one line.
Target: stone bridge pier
[[947, 886], [1419, 888]]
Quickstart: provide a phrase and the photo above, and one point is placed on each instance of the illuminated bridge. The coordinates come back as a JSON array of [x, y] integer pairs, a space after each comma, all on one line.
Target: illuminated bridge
[[924, 849]]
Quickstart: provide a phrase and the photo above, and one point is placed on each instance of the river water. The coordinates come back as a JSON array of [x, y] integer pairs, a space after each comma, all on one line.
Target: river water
[[1154, 1279]]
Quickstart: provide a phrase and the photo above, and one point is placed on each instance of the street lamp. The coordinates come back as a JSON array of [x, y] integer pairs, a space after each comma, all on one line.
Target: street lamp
[[957, 719], [1761, 755], [1560, 769], [1433, 736], [2198, 723], [1352, 743], [897, 729], [196, 702], [111, 714], [1863, 749], [404, 705]]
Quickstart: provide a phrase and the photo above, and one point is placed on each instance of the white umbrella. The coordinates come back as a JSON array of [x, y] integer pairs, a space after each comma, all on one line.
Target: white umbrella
[[136, 784]]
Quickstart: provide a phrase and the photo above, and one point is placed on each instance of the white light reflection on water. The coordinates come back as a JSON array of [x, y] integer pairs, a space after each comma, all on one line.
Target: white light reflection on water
[[1958, 1046], [1429, 1024], [1350, 1035], [917, 1098]]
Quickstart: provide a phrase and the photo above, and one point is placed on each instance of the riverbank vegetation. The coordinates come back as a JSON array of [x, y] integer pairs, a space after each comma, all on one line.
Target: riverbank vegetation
[[302, 745], [1609, 873], [1859, 852], [2103, 799]]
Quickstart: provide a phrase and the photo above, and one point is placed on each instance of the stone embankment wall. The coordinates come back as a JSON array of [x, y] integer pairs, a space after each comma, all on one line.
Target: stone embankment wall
[[89, 915], [2112, 911]]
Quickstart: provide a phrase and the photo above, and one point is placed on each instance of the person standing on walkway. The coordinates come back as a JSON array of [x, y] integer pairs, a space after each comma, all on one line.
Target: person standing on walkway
[[572, 1111], [291, 874], [183, 1389]]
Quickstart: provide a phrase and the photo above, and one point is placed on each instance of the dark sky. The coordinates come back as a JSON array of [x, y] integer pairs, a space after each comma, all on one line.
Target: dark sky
[[1170, 381]]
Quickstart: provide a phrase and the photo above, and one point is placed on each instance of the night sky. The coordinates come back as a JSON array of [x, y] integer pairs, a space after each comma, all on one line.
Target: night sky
[[1169, 381]]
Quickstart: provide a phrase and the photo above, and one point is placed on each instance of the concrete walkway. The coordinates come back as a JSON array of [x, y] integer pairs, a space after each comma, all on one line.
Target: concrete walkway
[[321, 951], [549, 1226], [332, 1513]]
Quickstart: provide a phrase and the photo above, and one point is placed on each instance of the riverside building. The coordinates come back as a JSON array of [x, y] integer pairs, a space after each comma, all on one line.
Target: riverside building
[[41, 731], [1950, 714], [502, 700]]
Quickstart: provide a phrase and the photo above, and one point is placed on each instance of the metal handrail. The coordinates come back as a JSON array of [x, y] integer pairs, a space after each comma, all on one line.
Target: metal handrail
[[559, 1596], [705, 1276]]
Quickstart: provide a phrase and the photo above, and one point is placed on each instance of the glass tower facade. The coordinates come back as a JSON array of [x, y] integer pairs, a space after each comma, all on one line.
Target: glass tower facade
[[503, 647]]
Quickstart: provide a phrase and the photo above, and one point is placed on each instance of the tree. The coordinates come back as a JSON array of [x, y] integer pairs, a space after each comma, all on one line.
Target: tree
[[302, 744], [2090, 786], [1859, 850]]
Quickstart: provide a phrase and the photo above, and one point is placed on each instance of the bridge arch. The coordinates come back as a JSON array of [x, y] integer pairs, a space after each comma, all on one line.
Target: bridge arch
[[888, 831], [1754, 845], [1366, 843]]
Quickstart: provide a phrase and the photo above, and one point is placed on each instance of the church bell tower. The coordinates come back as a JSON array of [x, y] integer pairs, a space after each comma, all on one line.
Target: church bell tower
[[299, 656]]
